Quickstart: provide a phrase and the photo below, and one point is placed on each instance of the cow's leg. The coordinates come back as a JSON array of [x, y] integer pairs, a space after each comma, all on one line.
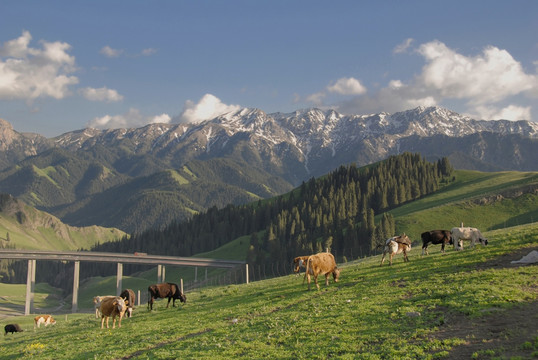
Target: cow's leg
[[316, 281], [405, 256], [168, 304], [383, 258], [102, 320], [308, 280], [391, 256], [327, 279], [443, 247]]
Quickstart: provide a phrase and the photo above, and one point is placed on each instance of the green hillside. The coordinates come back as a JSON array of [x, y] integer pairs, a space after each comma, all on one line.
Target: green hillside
[[24, 227], [468, 304]]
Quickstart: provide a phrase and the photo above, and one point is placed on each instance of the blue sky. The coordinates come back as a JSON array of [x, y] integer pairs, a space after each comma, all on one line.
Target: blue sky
[[67, 65]]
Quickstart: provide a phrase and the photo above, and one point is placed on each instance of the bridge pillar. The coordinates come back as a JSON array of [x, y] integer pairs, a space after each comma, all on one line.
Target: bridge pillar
[[30, 287], [119, 279], [76, 277]]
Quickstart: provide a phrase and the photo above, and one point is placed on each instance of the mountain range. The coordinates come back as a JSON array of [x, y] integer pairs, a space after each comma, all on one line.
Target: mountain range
[[134, 179]]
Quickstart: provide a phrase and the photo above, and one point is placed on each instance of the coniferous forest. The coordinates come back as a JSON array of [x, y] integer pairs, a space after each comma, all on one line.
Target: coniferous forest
[[335, 211]]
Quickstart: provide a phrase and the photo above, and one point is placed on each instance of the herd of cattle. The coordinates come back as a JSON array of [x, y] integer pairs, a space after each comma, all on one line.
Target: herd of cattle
[[324, 263], [109, 306], [315, 265]]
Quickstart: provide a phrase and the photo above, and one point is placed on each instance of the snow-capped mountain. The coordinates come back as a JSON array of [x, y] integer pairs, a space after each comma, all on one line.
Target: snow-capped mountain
[[314, 141], [235, 158]]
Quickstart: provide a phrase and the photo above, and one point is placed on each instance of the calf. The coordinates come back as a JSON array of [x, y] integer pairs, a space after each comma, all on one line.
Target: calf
[[396, 245], [129, 295], [321, 264], [442, 237], [43, 319], [12, 328], [114, 306]]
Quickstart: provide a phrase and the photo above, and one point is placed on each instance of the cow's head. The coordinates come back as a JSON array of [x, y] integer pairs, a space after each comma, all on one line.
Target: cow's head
[[483, 241], [336, 274], [298, 262], [120, 304], [179, 295]]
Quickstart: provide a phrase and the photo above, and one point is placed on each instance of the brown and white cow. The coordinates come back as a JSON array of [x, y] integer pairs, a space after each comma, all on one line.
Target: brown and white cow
[[43, 319], [299, 262], [112, 307], [165, 290], [442, 237], [129, 295], [467, 233], [321, 264], [97, 304], [396, 245]]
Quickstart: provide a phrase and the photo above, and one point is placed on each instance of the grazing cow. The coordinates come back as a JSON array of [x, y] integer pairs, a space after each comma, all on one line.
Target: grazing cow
[[12, 328], [298, 263], [97, 304], [321, 264], [113, 306], [129, 295], [467, 233], [396, 245], [442, 237], [43, 319], [165, 290]]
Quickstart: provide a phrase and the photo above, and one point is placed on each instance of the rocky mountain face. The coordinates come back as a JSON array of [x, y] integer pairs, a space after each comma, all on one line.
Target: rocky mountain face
[[248, 153]]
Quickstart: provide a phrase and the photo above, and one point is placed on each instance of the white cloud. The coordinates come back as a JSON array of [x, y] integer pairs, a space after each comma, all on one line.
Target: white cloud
[[208, 107], [347, 86], [511, 112], [402, 47], [149, 51], [101, 94], [111, 52], [480, 82], [316, 98], [132, 119], [28, 73], [487, 78]]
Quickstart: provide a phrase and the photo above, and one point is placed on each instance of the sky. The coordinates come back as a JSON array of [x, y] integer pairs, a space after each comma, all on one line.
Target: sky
[[68, 65]]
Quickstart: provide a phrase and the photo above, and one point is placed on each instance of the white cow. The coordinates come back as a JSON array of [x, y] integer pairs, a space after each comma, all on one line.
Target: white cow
[[467, 233]]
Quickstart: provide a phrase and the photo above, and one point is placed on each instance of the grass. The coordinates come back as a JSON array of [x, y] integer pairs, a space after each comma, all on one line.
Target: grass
[[372, 313]]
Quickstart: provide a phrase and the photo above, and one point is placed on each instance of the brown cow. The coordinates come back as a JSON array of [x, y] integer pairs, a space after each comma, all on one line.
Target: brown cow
[[442, 237], [321, 264], [129, 295], [396, 245], [165, 290], [115, 306], [299, 262], [43, 319]]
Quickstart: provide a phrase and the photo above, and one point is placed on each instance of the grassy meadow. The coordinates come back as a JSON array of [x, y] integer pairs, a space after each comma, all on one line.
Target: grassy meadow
[[408, 310]]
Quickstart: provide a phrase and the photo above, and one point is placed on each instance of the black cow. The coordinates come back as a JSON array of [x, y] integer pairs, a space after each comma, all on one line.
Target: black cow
[[129, 295], [165, 290], [442, 237], [12, 328]]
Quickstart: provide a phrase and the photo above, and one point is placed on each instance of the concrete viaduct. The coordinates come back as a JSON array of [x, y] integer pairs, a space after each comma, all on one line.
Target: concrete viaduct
[[77, 256]]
